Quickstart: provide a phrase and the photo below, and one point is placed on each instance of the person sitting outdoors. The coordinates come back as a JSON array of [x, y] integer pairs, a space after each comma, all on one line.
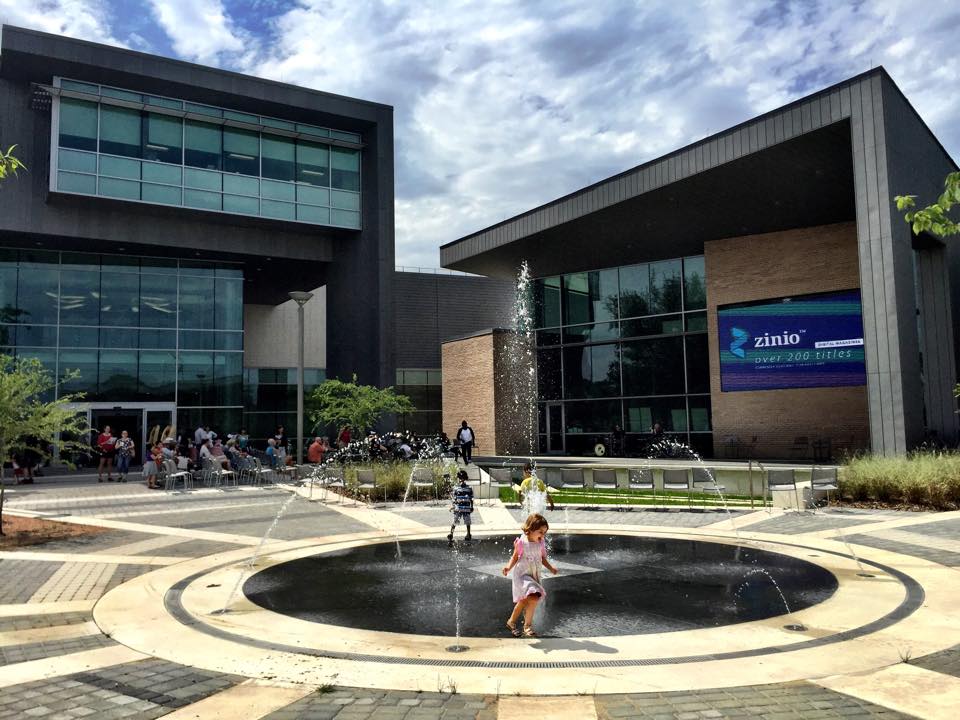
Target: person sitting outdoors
[[315, 452], [271, 452], [219, 455], [532, 481]]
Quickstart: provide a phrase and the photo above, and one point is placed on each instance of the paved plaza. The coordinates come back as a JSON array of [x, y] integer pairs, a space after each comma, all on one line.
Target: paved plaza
[[106, 625]]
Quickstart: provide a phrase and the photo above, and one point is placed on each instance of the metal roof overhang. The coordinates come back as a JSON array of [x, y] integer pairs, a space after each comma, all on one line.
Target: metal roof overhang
[[801, 182]]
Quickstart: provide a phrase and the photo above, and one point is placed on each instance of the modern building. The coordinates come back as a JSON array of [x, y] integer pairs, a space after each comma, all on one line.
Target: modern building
[[756, 293], [167, 211]]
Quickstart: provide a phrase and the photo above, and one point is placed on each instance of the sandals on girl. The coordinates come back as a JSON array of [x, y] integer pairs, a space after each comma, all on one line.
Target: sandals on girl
[[528, 632], [514, 630]]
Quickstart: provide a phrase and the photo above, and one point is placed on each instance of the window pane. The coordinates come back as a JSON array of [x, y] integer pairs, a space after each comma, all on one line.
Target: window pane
[[158, 301], [120, 131], [79, 161], [548, 374], [197, 340], [546, 302], [653, 367], [8, 295], [37, 299], [660, 325], [345, 218], [196, 382], [590, 296], [78, 124], [665, 293], [279, 157], [671, 413], [313, 164], [118, 374], [228, 378], [591, 371], [278, 191], [345, 168], [72, 182], [634, 290], [203, 179], [120, 299], [591, 333], [698, 364], [156, 377], [164, 194], [158, 339], [312, 195], [37, 335], [125, 189], [202, 145], [697, 322], [163, 138], [241, 151], [700, 414], [120, 167], [162, 174], [241, 185], [576, 299], [228, 304], [86, 362], [591, 417], [202, 199], [241, 204], [197, 303], [313, 214], [344, 200], [80, 297], [281, 210], [694, 284]]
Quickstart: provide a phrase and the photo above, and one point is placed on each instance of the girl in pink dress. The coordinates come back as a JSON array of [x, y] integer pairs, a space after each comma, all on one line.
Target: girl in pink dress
[[529, 552]]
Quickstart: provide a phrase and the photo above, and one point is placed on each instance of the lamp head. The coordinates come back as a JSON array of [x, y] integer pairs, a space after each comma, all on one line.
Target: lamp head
[[299, 296]]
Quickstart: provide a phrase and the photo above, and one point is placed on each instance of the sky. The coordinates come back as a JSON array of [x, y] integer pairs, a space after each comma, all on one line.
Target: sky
[[502, 106]]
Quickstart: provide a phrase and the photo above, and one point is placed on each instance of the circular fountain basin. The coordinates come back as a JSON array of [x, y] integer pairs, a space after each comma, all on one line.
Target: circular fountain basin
[[608, 585]]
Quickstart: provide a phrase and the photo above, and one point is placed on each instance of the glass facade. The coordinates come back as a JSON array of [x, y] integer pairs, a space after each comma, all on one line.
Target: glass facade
[[138, 329], [172, 152], [424, 388], [270, 398], [623, 346]]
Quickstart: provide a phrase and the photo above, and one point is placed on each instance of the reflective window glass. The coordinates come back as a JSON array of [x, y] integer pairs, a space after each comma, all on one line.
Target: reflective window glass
[[591, 371], [158, 301], [80, 297], [197, 303], [202, 145], [549, 374], [79, 337], [657, 325], [700, 414], [696, 322], [76, 183], [37, 335], [546, 302], [670, 413], [313, 214], [228, 378], [548, 337], [634, 290], [694, 284], [84, 361], [313, 163], [653, 367], [163, 194], [78, 124], [37, 299], [279, 158], [118, 374], [197, 340], [126, 189], [120, 299], [8, 295], [156, 375], [195, 384], [120, 167], [597, 332], [576, 299], [120, 131], [241, 151], [162, 138], [698, 364], [591, 416], [345, 168], [151, 339], [665, 290], [79, 161]]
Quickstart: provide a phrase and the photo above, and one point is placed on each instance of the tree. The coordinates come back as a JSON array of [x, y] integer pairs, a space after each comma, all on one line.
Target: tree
[[340, 403], [9, 164], [27, 421], [933, 218]]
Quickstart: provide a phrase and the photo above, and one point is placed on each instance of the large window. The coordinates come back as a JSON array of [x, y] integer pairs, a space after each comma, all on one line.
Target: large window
[[625, 346], [204, 161]]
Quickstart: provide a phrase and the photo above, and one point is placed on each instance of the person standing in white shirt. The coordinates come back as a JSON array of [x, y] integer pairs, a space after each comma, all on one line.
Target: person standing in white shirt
[[467, 438]]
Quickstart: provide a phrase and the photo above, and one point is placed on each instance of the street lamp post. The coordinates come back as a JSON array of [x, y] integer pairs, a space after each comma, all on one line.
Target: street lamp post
[[300, 297]]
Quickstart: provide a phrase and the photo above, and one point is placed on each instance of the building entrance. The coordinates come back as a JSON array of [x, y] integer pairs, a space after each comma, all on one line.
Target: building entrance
[[146, 425]]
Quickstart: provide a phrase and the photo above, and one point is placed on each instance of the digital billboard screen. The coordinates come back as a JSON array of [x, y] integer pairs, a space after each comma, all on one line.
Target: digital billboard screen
[[797, 342]]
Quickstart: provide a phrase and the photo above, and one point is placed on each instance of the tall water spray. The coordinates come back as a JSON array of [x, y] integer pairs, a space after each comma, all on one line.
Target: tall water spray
[[521, 370]]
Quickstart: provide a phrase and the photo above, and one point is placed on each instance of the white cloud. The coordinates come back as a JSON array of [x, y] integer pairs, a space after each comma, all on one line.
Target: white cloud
[[199, 29], [84, 19]]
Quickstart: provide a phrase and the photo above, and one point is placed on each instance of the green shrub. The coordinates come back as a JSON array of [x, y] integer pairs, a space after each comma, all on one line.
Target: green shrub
[[926, 479]]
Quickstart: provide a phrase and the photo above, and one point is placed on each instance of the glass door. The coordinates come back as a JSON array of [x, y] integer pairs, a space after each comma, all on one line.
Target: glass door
[[555, 428]]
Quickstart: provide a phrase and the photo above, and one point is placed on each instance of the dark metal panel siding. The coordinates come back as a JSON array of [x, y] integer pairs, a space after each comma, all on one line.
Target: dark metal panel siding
[[430, 308]]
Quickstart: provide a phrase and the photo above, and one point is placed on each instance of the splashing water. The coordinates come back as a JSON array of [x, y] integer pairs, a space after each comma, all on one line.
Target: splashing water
[[760, 571], [246, 567]]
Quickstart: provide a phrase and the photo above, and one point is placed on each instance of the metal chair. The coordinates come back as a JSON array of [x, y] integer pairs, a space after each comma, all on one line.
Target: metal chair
[[677, 479], [499, 478], [641, 479], [571, 479], [367, 480], [422, 478], [825, 479], [704, 480], [781, 479], [333, 478], [172, 474], [605, 479], [553, 477]]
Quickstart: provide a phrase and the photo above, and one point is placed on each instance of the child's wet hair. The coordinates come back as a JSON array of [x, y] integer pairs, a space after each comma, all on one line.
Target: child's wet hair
[[534, 522]]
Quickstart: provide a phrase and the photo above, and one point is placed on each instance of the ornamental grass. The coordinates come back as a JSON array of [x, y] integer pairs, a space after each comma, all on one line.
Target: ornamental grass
[[923, 479]]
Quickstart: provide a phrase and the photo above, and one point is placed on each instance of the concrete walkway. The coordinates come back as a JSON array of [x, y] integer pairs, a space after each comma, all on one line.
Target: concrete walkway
[[58, 664]]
